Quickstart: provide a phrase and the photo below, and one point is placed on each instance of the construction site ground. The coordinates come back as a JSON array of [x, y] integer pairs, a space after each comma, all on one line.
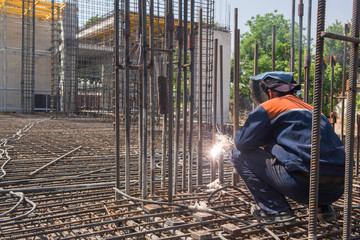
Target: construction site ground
[[73, 198]]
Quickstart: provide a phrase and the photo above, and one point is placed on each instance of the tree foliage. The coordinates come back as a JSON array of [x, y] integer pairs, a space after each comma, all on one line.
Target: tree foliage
[[261, 32]]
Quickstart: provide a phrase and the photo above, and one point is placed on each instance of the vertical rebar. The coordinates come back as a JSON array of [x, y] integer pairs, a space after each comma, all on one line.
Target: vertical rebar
[[292, 57], [316, 120], [127, 33], [221, 157], [22, 83], [170, 41], [346, 32], [332, 115], [273, 38], [200, 111], [185, 92], [350, 121], [300, 14], [179, 38], [140, 107], [145, 98], [214, 109], [236, 75], [236, 105], [192, 84], [307, 62], [117, 120], [152, 101], [53, 60], [256, 58], [164, 144], [32, 84], [357, 146]]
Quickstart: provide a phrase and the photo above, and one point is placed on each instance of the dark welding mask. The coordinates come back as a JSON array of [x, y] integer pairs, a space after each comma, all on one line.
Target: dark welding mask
[[277, 81]]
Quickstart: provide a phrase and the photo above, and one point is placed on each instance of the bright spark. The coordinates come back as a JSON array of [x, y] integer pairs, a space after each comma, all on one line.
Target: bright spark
[[216, 150]]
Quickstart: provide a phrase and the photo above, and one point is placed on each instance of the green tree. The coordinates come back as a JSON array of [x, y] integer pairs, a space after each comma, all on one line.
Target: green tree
[[261, 33], [333, 47]]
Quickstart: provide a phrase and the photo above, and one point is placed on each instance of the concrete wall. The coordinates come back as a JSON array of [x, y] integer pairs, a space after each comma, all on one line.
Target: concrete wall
[[10, 62], [224, 38]]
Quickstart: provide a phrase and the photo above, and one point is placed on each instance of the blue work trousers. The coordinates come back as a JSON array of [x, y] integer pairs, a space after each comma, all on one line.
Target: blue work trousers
[[269, 182]]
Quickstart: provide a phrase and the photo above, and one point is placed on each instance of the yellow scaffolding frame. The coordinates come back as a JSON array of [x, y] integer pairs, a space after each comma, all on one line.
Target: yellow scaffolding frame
[[43, 9]]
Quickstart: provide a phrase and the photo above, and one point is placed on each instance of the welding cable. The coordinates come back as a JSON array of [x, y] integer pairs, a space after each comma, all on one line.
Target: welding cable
[[22, 215], [208, 210], [226, 187], [4, 144], [21, 199]]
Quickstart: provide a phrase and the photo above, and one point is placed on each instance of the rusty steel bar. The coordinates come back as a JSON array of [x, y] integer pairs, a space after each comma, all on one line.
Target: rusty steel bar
[[179, 38], [192, 92], [350, 121], [307, 60], [145, 99], [316, 120], [170, 46], [117, 83], [300, 14], [214, 109], [200, 103], [152, 100], [346, 32], [332, 115], [185, 94], [127, 33], [273, 56], [340, 37], [256, 58], [221, 157], [163, 147], [140, 101], [53, 162], [236, 75], [292, 57], [357, 146], [236, 105]]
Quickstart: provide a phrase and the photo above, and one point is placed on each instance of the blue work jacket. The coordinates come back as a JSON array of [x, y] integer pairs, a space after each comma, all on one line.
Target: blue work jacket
[[282, 126]]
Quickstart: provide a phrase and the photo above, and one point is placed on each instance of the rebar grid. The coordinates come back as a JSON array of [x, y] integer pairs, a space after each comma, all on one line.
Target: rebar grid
[[75, 200]]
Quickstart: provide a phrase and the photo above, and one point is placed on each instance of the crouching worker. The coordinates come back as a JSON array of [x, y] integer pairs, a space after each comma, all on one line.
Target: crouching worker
[[272, 153]]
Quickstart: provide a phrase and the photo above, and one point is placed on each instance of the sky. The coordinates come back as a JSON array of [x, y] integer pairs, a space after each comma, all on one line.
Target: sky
[[335, 10]]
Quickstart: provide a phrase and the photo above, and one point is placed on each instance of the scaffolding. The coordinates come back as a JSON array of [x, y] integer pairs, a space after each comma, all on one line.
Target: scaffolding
[[24, 48]]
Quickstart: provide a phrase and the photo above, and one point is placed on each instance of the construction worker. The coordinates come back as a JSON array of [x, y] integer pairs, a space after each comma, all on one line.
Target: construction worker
[[272, 153]]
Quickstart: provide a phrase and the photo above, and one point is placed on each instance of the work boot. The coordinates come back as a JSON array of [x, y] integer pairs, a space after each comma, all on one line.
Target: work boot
[[326, 213], [282, 217]]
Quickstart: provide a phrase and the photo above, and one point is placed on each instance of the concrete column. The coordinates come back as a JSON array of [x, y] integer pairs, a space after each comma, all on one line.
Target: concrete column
[[69, 46]]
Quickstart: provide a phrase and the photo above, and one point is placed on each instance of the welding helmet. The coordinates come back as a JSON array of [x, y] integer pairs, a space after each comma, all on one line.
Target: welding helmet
[[277, 81]]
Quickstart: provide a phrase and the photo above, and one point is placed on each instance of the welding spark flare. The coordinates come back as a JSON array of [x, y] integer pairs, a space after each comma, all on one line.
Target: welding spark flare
[[223, 144]]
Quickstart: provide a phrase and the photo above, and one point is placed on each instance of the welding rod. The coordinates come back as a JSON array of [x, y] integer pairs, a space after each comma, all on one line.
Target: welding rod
[[53, 162]]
